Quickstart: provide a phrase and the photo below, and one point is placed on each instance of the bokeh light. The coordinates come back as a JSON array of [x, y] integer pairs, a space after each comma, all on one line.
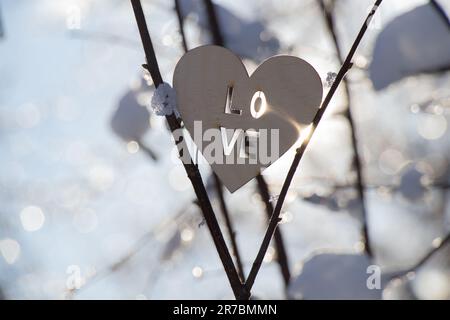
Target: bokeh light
[[32, 218]]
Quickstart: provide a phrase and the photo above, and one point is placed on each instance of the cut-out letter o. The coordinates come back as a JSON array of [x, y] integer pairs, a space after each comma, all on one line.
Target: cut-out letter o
[[258, 106]]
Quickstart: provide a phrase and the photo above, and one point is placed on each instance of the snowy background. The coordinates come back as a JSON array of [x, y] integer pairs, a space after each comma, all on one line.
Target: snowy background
[[87, 214]]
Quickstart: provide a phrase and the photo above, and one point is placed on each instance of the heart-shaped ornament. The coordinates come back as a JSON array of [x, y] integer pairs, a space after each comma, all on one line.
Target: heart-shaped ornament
[[240, 123]]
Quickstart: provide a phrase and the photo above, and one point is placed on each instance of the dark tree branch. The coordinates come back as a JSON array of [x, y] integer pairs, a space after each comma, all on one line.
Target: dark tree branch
[[282, 257], [181, 24], [191, 169], [275, 219], [329, 20], [214, 23], [217, 183], [441, 245], [429, 255], [229, 225], [148, 150], [262, 184], [441, 12], [2, 29], [421, 262]]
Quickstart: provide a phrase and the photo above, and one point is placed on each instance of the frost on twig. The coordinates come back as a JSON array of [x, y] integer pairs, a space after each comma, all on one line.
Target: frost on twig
[[274, 198], [331, 77], [164, 101]]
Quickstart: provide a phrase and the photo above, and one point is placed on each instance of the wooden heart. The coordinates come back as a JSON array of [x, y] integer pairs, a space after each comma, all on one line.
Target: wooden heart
[[233, 116]]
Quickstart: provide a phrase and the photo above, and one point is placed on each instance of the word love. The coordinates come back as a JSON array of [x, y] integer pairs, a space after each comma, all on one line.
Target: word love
[[240, 123]]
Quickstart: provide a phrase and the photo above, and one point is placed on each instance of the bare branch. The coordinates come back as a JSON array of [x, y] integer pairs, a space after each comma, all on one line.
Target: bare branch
[[191, 169], [275, 219], [329, 19]]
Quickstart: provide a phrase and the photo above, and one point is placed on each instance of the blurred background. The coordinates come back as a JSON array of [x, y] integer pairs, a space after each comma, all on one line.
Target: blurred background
[[95, 205]]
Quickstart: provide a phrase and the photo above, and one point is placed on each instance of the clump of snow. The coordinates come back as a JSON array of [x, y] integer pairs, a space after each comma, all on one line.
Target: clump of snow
[[164, 100], [331, 78], [337, 276], [405, 47]]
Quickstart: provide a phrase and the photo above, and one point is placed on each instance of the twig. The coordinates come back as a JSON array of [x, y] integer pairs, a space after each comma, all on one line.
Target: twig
[[218, 40], [2, 29], [229, 225], [421, 262], [191, 169], [329, 19], [217, 183], [429, 255], [140, 244], [214, 23], [181, 24], [262, 184], [282, 257], [148, 150], [441, 244], [275, 219], [440, 11], [102, 36]]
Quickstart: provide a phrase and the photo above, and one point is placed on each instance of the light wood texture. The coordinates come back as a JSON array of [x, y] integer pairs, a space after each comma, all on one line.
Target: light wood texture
[[292, 88]]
